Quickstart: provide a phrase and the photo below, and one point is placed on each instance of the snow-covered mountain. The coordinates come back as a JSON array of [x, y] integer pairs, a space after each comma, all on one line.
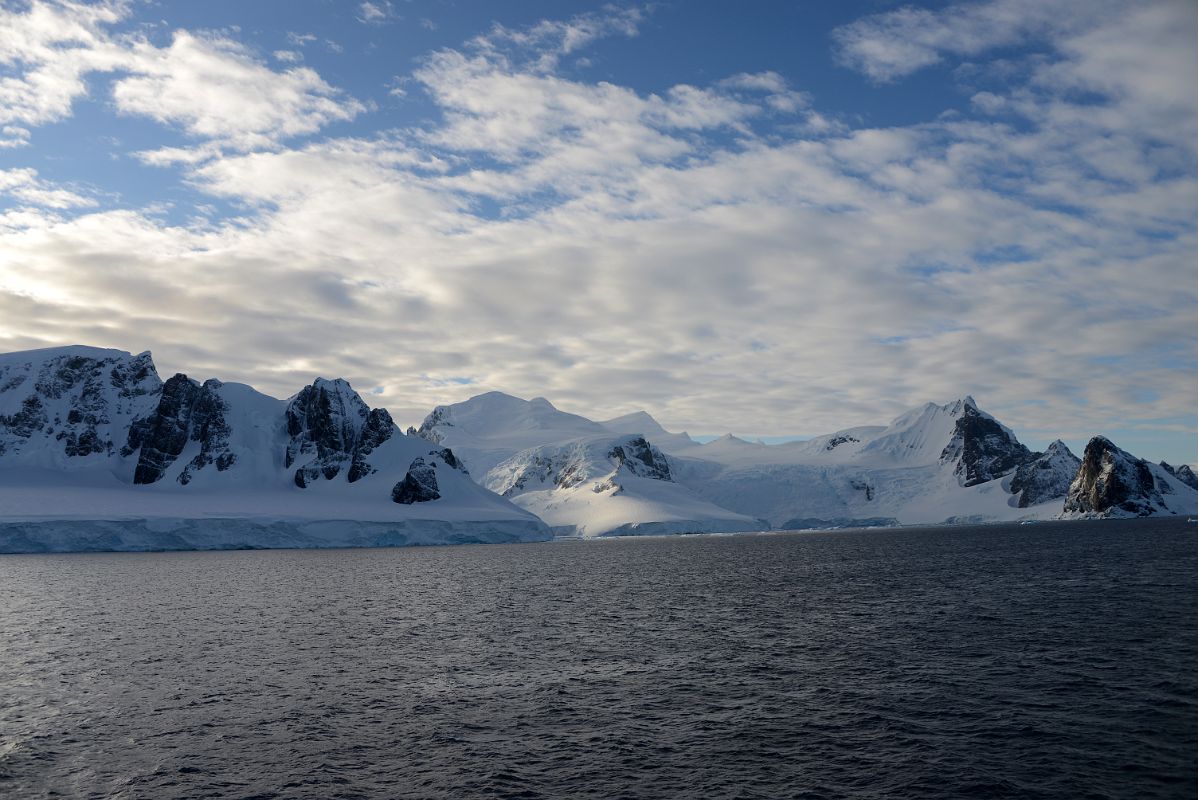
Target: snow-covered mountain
[[935, 463], [492, 427], [89, 434], [641, 423], [97, 452], [1113, 483], [583, 478], [1045, 476], [1182, 473], [603, 486]]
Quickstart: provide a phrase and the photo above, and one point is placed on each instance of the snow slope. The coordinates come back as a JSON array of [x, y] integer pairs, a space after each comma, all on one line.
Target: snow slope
[[581, 477], [89, 434], [935, 463], [608, 486]]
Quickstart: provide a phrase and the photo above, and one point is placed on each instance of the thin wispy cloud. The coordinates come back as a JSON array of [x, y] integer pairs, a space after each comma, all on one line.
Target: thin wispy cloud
[[375, 13]]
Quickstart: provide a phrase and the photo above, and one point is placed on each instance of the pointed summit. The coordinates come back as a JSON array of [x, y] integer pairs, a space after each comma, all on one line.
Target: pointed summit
[[1113, 482]]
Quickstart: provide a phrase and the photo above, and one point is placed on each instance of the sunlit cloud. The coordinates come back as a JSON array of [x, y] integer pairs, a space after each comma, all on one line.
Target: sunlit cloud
[[727, 254]]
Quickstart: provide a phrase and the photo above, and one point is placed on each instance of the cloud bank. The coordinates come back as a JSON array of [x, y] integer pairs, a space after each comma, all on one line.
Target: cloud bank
[[724, 255]]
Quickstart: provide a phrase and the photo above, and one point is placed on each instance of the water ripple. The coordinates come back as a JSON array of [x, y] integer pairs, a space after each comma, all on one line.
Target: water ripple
[[1055, 662]]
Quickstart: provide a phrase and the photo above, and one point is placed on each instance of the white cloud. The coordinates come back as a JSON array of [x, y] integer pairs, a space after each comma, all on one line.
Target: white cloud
[[212, 87], [300, 39], [13, 136], [215, 90], [652, 250], [49, 49], [896, 43], [288, 56], [25, 186], [543, 44], [375, 13]]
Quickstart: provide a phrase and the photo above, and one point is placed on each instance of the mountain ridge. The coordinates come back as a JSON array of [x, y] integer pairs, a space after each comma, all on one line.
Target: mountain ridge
[[91, 433]]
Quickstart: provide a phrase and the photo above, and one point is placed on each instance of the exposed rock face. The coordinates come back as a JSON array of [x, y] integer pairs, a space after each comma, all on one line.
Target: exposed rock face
[[441, 416], [75, 399], [419, 485], [324, 422], [1182, 473], [640, 458], [1046, 476], [577, 462], [1111, 481], [984, 449], [209, 427], [376, 430], [186, 412]]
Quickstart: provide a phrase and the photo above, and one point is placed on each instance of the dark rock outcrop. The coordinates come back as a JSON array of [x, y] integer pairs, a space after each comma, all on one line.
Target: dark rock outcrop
[[439, 417], [73, 397], [419, 485], [1046, 476], [1182, 473], [983, 449], [1111, 481], [640, 458], [324, 422], [376, 430], [186, 412], [210, 427]]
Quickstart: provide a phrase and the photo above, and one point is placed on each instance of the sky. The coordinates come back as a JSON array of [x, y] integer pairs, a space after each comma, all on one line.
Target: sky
[[776, 219]]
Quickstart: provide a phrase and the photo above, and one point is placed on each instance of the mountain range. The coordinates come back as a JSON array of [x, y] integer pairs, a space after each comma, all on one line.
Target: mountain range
[[97, 452]]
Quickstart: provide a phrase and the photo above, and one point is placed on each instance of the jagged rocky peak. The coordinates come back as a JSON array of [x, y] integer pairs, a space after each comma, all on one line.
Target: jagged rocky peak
[[1045, 476], [377, 429], [569, 464], [440, 417], [983, 448], [1183, 473], [330, 426], [638, 457], [71, 401], [187, 411], [1112, 482], [420, 485]]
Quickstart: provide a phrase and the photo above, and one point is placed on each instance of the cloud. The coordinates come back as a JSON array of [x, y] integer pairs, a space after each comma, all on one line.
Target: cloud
[[211, 87], [215, 90], [25, 186], [375, 13], [568, 136], [13, 136], [615, 249], [897, 43], [48, 50], [539, 47], [288, 56]]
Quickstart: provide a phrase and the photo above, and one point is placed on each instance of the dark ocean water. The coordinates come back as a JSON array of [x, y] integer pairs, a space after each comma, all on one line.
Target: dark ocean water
[[1052, 660]]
